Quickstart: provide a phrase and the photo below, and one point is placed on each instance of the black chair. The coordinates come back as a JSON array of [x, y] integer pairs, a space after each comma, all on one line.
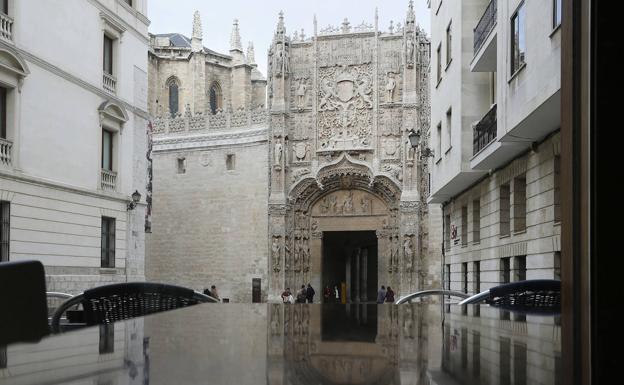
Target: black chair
[[533, 295], [23, 304], [120, 301]]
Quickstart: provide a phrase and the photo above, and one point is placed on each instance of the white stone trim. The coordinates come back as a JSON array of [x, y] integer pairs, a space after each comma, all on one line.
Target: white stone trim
[[6, 195], [229, 138], [112, 196], [83, 84], [122, 22]]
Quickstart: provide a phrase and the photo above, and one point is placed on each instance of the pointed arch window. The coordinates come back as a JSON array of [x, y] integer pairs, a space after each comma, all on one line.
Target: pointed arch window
[[173, 86], [215, 97]]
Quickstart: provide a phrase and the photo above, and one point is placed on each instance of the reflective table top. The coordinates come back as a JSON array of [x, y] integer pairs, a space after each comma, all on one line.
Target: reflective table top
[[299, 344]]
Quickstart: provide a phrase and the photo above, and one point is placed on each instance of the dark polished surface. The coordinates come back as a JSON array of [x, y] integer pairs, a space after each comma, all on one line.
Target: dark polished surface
[[299, 344]]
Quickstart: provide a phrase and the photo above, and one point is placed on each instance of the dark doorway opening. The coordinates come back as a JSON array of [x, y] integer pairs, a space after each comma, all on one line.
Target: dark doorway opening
[[349, 323], [350, 258]]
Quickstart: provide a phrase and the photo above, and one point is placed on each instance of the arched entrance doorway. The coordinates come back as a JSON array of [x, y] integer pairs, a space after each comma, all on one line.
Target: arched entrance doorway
[[341, 228]]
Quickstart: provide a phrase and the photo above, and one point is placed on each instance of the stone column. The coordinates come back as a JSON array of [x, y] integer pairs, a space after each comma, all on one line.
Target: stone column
[[364, 275], [348, 276], [358, 274]]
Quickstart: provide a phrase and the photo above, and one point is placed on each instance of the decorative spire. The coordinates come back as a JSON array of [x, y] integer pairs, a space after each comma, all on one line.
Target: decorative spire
[[235, 39], [411, 17], [196, 38], [315, 25], [197, 27], [280, 22], [251, 56]]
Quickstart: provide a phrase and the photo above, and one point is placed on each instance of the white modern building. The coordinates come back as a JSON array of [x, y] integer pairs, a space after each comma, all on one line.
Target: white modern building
[[74, 138], [495, 118]]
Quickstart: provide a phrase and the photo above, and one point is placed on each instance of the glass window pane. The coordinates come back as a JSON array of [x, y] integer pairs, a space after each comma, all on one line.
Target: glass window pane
[[107, 150], [108, 55]]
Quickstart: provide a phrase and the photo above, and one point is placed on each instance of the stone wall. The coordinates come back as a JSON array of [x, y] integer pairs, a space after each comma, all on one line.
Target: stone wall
[[210, 223], [539, 241]]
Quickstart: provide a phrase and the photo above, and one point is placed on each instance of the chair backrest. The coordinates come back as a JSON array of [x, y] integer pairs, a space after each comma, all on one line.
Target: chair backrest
[[530, 294], [120, 301], [23, 304]]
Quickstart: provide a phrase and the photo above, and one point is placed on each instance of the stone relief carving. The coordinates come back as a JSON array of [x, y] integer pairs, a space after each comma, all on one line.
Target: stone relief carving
[[391, 148], [301, 151], [366, 205], [344, 107], [297, 174], [394, 170], [347, 206]]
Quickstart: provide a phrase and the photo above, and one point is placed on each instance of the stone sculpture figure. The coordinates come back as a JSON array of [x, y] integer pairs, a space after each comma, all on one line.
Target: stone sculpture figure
[[276, 253], [301, 92], [306, 255], [324, 206], [297, 261], [333, 204], [278, 151], [408, 252], [347, 206], [409, 51], [286, 254], [365, 204], [390, 85]]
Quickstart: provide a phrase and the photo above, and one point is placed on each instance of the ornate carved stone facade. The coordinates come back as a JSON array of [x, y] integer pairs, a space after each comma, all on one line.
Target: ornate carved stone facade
[[342, 103]]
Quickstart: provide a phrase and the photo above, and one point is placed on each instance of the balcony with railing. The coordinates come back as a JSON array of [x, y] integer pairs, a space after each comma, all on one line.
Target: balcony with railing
[[484, 132], [484, 43], [6, 27], [109, 82], [108, 180], [5, 152]]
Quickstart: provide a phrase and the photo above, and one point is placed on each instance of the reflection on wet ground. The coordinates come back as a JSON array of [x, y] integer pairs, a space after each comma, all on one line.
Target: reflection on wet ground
[[299, 344]]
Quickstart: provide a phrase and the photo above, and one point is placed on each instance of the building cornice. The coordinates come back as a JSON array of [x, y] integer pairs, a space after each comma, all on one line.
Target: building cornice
[[125, 24], [20, 177], [135, 12], [211, 140], [81, 83]]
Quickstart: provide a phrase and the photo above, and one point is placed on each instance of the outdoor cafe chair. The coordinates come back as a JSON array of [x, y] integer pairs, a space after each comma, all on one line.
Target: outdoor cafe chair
[[120, 301], [537, 295]]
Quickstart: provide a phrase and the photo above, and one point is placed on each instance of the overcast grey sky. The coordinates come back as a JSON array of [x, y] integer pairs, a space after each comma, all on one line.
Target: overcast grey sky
[[257, 19]]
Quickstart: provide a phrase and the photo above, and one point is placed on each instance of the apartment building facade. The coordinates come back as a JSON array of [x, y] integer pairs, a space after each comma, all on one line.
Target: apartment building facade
[[495, 99], [74, 138]]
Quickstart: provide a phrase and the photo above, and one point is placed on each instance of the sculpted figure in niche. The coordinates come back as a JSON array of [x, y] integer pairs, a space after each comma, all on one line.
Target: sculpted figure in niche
[[365, 204], [286, 254], [279, 61], [333, 204], [297, 261], [410, 51], [390, 85], [301, 91], [408, 251], [347, 206], [275, 253], [324, 205], [300, 151], [278, 151], [306, 255]]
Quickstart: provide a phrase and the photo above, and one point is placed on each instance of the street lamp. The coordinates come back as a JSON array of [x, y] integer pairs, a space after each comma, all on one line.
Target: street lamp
[[414, 138], [136, 197]]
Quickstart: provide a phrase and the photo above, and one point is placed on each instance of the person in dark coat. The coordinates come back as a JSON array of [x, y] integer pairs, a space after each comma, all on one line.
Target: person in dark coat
[[302, 294], [381, 295], [389, 295], [310, 294]]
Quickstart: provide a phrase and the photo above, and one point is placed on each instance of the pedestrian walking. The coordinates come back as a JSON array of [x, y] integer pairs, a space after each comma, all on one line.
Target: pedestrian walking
[[326, 294], [302, 294], [310, 294], [389, 295], [381, 294], [337, 294]]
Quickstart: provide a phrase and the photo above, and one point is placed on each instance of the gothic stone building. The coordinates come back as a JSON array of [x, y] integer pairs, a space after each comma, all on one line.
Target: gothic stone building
[[346, 192]]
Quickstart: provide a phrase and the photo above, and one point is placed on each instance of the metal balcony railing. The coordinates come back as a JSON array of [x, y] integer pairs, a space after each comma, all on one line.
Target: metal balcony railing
[[6, 27], [484, 132], [484, 26], [5, 152]]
